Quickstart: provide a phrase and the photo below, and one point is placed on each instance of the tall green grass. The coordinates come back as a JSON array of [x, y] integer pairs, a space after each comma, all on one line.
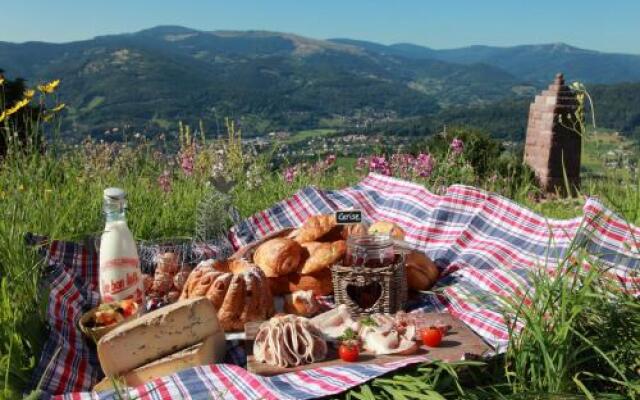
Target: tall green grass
[[581, 338]]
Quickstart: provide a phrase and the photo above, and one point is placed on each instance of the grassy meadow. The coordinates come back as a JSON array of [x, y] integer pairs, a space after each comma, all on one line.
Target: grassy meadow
[[581, 339]]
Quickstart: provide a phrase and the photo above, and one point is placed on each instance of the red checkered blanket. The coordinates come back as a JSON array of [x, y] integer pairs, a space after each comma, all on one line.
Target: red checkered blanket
[[485, 245]]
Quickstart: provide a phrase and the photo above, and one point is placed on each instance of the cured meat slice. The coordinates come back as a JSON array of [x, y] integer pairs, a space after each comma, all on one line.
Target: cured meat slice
[[288, 341]]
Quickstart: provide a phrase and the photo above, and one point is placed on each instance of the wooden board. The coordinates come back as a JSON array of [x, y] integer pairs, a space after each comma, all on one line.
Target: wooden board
[[460, 342]]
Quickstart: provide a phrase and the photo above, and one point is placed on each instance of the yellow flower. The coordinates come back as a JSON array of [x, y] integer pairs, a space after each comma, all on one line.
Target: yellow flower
[[58, 108], [29, 93], [49, 87], [16, 107], [1, 80], [3, 115]]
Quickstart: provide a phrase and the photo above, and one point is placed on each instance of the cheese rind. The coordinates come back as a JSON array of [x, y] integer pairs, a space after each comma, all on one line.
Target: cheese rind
[[157, 334], [211, 350]]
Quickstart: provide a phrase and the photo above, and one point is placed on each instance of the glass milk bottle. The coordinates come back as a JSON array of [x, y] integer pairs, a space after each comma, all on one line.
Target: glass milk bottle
[[120, 274]]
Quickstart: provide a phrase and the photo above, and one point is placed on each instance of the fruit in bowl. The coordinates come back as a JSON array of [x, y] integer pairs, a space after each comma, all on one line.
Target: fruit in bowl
[[102, 319]]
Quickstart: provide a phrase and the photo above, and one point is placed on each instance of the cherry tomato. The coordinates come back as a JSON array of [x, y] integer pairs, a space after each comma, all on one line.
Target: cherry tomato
[[431, 336], [348, 352], [128, 307]]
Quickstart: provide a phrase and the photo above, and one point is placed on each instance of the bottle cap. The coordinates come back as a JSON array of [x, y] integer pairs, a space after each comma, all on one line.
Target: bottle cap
[[114, 193]]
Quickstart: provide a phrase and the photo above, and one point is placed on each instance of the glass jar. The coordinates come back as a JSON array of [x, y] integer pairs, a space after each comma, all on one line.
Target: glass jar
[[371, 251]]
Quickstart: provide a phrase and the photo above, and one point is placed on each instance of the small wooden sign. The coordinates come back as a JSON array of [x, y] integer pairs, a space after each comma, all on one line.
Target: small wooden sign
[[348, 217]]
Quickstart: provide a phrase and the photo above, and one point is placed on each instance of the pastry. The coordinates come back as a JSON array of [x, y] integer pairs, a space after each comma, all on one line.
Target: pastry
[[288, 341], [386, 228], [319, 283], [316, 227], [238, 297], [278, 257], [180, 279], [322, 255], [162, 283], [301, 302], [353, 230], [422, 273], [167, 263]]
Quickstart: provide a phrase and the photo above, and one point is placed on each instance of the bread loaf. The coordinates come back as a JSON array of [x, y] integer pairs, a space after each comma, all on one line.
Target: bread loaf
[[157, 334], [422, 273]]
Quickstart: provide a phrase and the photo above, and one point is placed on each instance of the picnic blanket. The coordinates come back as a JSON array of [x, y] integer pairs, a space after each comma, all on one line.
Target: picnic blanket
[[484, 244]]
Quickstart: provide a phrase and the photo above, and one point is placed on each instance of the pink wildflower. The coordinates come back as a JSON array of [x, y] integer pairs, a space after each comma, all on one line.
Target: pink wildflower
[[380, 165], [361, 164], [457, 146], [186, 162], [424, 165], [331, 158], [164, 181], [289, 174]]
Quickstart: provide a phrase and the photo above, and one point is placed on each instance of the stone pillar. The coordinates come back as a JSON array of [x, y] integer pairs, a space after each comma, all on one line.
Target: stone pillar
[[550, 145]]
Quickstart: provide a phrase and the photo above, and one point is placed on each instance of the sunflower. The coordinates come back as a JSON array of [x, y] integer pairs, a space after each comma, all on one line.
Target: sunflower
[[49, 87]]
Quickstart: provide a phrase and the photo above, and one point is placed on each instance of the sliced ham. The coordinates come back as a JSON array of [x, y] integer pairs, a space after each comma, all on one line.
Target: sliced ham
[[333, 323], [288, 341]]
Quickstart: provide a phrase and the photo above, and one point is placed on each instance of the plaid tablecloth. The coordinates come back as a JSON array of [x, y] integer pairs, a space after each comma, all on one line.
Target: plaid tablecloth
[[484, 244]]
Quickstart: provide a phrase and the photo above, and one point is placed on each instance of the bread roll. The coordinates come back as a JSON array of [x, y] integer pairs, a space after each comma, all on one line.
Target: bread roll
[[278, 257], [319, 283], [422, 273], [387, 228], [301, 302]]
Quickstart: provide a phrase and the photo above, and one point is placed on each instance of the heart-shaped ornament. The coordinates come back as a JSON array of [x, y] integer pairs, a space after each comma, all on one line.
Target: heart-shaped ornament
[[364, 295]]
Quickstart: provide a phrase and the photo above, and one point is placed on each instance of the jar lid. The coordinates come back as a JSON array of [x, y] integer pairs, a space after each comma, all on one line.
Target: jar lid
[[114, 193], [370, 241]]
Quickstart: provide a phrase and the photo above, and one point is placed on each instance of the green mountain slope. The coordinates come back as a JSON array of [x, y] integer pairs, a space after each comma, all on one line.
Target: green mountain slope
[[276, 80], [533, 63]]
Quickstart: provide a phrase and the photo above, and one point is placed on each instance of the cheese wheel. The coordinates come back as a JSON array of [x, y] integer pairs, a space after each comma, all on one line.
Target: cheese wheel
[[157, 334], [211, 350]]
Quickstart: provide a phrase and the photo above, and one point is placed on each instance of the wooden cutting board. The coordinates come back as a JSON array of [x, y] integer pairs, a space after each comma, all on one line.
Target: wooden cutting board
[[459, 343]]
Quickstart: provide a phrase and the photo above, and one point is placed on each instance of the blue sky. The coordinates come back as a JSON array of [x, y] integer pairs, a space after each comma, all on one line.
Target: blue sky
[[611, 25]]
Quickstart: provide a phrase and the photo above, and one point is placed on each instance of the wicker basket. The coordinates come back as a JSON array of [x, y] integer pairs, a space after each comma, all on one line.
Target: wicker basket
[[370, 290]]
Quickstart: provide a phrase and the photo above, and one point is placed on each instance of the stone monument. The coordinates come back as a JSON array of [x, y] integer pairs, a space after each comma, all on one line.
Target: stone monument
[[553, 143]]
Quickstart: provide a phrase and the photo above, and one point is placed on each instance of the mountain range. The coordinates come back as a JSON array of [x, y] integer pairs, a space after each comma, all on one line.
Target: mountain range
[[269, 80]]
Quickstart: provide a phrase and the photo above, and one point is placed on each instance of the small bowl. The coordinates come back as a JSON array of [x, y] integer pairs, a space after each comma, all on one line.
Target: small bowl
[[95, 333]]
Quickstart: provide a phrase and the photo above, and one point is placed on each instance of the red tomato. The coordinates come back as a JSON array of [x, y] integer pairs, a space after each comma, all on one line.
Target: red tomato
[[348, 352], [431, 336], [128, 307]]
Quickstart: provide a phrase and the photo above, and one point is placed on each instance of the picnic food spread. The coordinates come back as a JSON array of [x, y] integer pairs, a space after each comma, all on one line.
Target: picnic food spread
[[220, 296]]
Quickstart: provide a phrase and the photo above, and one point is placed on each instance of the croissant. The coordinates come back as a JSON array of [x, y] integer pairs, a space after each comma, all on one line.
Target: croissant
[[422, 273], [322, 255], [277, 257], [315, 227]]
